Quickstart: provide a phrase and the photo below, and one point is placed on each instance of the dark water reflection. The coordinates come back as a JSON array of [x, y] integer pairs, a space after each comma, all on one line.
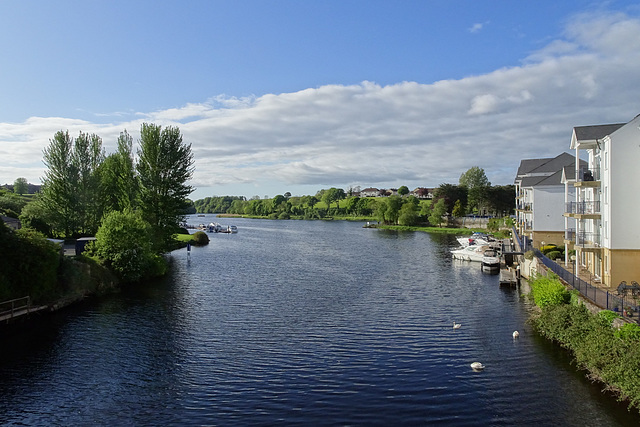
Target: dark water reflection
[[309, 323]]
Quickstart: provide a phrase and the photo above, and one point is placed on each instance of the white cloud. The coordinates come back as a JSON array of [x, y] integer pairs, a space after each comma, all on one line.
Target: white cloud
[[476, 27], [406, 133]]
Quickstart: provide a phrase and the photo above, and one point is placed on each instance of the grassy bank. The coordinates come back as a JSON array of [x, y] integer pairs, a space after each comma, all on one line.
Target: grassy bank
[[601, 344]]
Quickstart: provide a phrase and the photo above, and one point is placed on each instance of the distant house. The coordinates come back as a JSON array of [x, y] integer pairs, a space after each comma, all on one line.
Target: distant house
[[423, 193], [369, 192]]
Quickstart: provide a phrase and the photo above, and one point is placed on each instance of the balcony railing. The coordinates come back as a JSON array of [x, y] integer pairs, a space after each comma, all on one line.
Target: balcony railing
[[524, 206], [582, 238], [583, 208], [589, 174]]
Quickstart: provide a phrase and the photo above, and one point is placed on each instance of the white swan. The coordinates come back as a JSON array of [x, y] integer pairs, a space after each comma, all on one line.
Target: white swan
[[456, 325], [477, 366], [516, 334]]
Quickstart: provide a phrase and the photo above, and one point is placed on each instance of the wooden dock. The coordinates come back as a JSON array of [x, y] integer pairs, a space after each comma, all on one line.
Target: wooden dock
[[508, 277]]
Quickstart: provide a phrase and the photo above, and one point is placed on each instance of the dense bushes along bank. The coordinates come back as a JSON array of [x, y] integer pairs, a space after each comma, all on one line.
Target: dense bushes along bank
[[609, 353]]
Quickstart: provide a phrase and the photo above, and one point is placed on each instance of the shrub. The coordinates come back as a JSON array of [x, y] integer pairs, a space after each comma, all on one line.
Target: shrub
[[553, 255], [629, 331], [548, 290], [608, 316], [528, 255], [124, 242], [200, 238]]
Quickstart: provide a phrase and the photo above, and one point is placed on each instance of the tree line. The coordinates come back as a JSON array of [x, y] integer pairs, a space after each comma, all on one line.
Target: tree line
[[472, 195]]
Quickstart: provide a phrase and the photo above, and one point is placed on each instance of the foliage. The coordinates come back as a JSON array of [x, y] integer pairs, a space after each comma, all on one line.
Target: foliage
[[548, 290], [609, 355], [528, 255], [119, 183], [11, 204], [477, 185], [28, 265], [553, 255], [333, 195], [408, 214], [165, 165], [438, 211], [20, 186], [608, 316], [200, 238], [451, 193], [403, 190], [124, 243], [458, 210]]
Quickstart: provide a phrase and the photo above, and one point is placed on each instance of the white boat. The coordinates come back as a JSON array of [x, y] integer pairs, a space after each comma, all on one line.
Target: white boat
[[232, 229], [470, 253], [477, 239], [214, 227], [490, 260]]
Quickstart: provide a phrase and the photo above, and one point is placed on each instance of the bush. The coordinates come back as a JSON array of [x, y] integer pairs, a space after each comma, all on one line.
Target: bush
[[528, 255], [629, 331], [553, 255], [200, 238], [548, 290], [608, 316], [124, 243]]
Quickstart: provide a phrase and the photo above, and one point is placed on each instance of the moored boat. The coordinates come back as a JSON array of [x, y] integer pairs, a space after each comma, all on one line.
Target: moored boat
[[470, 253], [490, 260]]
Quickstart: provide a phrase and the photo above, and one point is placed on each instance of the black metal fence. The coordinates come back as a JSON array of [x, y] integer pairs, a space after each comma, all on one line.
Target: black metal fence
[[623, 305], [626, 306]]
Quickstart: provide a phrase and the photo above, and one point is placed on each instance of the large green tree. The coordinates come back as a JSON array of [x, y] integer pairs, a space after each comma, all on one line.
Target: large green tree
[[119, 181], [438, 211], [165, 165], [86, 159], [59, 196], [477, 186]]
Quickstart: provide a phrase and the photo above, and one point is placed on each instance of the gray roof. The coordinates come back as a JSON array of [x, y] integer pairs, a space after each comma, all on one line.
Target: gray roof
[[591, 133], [545, 171]]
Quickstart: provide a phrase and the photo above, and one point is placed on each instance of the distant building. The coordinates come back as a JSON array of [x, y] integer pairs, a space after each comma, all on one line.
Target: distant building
[[540, 198], [369, 192], [423, 193]]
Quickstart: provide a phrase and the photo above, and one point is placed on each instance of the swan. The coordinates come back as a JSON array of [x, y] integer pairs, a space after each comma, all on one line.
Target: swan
[[456, 325], [477, 366], [516, 334]]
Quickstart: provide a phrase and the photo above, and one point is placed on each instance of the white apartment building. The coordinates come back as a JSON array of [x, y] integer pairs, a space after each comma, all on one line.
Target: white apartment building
[[605, 205], [540, 198]]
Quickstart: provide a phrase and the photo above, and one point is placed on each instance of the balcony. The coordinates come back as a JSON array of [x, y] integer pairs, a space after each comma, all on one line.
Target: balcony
[[588, 177], [588, 240], [583, 210], [525, 207]]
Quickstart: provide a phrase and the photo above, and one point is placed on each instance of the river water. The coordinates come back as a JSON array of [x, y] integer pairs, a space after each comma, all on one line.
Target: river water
[[301, 323]]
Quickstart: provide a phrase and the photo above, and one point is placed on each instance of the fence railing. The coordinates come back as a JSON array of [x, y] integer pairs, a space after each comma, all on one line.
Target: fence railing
[[589, 174], [583, 208], [10, 308], [604, 299]]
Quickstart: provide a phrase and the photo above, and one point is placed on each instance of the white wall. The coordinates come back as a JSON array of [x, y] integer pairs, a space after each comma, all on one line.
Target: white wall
[[548, 208], [622, 213]]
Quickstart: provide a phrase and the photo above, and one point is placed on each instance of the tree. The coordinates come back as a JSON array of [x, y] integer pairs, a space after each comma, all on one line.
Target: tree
[[164, 167], [451, 193], [119, 182], [403, 190], [394, 203], [477, 186], [408, 214], [458, 209], [86, 159], [21, 186], [58, 196], [501, 199], [439, 210], [333, 195]]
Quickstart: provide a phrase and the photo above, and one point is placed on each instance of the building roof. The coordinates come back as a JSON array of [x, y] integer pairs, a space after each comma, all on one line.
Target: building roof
[[591, 133], [544, 171]]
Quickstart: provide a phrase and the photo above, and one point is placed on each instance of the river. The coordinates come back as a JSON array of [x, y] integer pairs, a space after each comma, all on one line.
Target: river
[[301, 323]]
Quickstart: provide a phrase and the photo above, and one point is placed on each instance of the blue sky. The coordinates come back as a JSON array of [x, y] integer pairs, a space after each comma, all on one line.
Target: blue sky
[[296, 96]]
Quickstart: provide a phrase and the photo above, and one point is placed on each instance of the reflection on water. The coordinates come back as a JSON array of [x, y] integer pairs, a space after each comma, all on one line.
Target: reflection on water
[[297, 322]]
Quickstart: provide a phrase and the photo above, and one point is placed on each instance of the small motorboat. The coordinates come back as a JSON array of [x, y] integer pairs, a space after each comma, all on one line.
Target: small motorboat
[[232, 229], [490, 260], [477, 366]]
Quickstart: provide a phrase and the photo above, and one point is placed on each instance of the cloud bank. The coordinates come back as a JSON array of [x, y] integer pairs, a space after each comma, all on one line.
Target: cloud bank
[[407, 133]]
